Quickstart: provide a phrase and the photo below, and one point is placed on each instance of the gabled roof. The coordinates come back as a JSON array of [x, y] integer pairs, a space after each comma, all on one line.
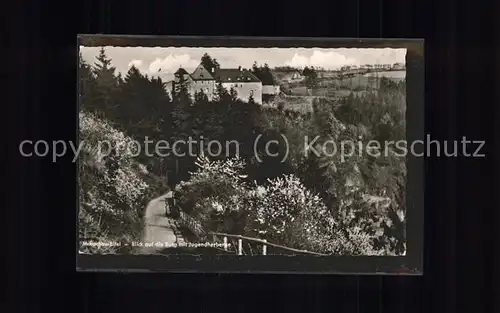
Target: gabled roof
[[181, 71], [201, 73], [227, 75]]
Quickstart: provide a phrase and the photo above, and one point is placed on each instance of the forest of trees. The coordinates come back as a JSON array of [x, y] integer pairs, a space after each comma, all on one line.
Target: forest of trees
[[311, 77], [264, 74], [320, 203]]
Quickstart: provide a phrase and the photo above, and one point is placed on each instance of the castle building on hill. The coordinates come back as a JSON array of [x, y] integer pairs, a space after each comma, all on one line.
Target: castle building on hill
[[242, 80]]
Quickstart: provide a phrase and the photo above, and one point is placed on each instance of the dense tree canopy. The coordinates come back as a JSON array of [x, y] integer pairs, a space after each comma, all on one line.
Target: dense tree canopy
[[264, 74], [208, 62], [311, 76]]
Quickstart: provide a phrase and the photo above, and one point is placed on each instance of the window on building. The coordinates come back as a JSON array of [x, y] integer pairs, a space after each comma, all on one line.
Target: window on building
[[229, 78]]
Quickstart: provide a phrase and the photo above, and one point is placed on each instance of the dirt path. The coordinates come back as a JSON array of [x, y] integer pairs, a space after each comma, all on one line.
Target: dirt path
[[157, 227]]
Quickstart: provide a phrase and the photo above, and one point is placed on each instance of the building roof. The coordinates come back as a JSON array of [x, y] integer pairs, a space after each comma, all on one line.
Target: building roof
[[227, 75], [181, 71], [201, 73]]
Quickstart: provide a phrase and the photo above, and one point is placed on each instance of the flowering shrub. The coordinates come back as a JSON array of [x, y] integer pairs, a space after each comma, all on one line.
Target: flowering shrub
[[282, 211], [280, 206], [214, 192], [112, 191], [288, 213]]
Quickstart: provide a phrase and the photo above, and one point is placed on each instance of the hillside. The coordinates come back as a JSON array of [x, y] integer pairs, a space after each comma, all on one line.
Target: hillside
[[334, 83], [282, 194], [113, 190]]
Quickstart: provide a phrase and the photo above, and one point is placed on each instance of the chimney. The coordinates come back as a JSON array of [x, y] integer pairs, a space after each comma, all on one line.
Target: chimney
[[239, 68]]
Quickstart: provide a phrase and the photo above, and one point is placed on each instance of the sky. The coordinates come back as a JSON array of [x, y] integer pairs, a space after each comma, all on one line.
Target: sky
[[150, 60]]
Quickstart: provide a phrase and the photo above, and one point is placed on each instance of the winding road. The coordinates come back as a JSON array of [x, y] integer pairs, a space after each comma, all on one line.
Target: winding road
[[158, 228]]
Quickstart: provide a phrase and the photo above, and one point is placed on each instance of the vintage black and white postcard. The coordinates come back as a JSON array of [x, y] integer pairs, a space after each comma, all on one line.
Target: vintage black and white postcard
[[249, 152]]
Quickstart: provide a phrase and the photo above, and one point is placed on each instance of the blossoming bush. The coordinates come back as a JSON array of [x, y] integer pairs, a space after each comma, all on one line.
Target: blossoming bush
[[214, 193], [285, 211], [112, 191], [282, 211]]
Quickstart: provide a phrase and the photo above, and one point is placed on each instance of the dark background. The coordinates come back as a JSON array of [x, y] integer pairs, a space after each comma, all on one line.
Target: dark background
[[461, 93]]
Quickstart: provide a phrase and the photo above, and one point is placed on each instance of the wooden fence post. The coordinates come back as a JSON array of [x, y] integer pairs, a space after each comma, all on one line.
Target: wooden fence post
[[225, 243], [264, 248], [240, 247]]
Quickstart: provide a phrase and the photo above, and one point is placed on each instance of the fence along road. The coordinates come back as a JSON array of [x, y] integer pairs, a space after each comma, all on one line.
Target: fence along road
[[159, 228]]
